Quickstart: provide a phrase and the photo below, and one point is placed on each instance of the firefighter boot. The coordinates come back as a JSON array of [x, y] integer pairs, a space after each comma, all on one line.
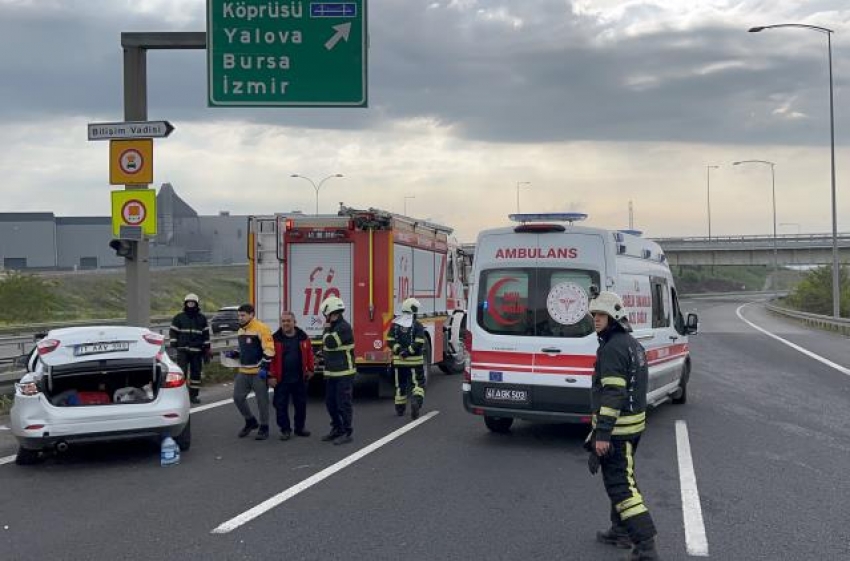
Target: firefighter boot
[[331, 436], [616, 536], [399, 410], [415, 406], [644, 551]]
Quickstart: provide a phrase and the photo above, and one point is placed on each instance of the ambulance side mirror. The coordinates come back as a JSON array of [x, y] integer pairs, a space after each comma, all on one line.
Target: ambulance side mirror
[[692, 324]]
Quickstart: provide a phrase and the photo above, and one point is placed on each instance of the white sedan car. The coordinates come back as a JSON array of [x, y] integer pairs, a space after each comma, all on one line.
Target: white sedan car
[[88, 384]]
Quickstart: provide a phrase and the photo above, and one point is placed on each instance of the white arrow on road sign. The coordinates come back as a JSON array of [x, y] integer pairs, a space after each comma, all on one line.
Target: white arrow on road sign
[[130, 130], [343, 30]]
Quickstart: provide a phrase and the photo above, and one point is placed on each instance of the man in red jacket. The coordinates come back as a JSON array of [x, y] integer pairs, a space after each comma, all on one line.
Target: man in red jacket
[[291, 369]]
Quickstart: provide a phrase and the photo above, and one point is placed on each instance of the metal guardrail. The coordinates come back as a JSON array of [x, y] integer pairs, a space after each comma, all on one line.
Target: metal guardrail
[[829, 323], [14, 372]]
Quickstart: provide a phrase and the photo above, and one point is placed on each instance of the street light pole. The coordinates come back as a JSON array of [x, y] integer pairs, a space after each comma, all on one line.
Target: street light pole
[[708, 195], [317, 187], [773, 190], [836, 277], [405, 202], [518, 183]]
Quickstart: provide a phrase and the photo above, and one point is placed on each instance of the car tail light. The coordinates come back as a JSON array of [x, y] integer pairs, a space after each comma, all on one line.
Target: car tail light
[[154, 339], [477, 411], [47, 346], [27, 388], [174, 379], [33, 427]]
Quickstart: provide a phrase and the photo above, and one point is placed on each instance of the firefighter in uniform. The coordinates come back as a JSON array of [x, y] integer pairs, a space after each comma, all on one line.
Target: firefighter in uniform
[[338, 354], [189, 334], [406, 339], [620, 381]]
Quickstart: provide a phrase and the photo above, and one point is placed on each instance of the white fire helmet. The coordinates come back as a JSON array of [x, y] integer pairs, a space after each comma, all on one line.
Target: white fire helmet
[[611, 304], [410, 306], [191, 297], [332, 304]]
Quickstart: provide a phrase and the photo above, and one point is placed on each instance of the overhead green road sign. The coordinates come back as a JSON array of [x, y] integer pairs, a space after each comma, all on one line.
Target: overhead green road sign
[[286, 53]]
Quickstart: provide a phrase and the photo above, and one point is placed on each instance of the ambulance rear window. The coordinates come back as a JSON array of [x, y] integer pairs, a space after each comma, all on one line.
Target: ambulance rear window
[[513, 301]]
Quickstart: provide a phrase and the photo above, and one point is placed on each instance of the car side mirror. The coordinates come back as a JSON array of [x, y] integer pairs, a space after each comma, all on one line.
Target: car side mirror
[[692, 324]]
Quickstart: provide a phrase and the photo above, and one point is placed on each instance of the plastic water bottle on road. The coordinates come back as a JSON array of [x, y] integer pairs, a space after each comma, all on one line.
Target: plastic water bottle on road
[[169, 454]]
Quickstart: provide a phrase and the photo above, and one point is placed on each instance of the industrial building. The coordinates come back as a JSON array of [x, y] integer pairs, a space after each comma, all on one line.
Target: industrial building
[[43, 241]]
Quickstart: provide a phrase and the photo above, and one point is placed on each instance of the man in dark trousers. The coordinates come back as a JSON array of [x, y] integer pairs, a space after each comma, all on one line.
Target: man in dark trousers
[[255, 354], [406, 339], [338, 354], [189, 334], [620, 381], [291, 369]]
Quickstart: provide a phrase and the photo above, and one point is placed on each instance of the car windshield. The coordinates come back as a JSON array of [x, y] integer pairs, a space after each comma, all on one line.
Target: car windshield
[[519, 301]]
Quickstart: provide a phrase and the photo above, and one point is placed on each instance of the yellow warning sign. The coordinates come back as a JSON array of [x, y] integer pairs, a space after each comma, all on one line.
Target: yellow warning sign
[[134, 207], [131, 162]]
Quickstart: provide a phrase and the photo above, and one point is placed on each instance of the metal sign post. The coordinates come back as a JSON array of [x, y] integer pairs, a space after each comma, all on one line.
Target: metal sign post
[[135, 47]]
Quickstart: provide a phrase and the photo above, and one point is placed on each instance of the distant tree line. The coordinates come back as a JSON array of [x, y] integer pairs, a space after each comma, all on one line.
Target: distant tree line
[[814, 293]]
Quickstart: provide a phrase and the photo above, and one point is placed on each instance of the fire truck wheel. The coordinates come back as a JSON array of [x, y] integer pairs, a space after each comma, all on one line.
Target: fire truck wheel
[[426, 352]]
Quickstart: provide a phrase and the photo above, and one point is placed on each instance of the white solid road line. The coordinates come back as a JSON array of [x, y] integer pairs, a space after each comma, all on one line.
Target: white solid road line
[[284, 496], [806, 352], [213, 405], [695, 540]]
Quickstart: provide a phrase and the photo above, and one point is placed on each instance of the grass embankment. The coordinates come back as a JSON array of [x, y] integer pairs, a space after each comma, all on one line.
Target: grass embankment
[[101, 295], [695, 279]]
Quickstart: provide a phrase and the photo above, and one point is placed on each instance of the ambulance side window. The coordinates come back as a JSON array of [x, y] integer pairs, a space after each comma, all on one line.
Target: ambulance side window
[[678, 319], [503, 306], [660, 313]]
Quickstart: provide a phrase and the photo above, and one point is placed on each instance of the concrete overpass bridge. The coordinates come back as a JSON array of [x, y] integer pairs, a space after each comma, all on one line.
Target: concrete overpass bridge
[[791, 249]]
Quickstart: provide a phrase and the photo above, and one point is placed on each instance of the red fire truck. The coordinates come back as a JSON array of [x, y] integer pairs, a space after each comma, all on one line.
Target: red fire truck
[[373, 260]]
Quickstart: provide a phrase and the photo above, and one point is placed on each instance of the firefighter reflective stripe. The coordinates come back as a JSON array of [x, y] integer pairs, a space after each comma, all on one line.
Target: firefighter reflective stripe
[[334, 337], [609, 412], [400, 397], [615, 381], [630, 424], [634, 504]]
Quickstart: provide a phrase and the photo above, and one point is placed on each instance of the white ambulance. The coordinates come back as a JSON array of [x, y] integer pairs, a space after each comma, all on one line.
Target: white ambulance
[[531, 340]]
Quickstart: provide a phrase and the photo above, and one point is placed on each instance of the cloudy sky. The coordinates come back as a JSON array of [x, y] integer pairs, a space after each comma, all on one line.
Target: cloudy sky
[[594, 102]]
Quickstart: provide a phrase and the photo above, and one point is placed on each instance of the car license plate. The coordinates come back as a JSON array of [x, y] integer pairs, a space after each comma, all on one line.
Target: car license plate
[[506, 395], [100, 348]]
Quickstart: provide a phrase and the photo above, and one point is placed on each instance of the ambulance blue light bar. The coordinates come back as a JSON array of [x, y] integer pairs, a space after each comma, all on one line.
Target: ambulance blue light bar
[[548, 217]]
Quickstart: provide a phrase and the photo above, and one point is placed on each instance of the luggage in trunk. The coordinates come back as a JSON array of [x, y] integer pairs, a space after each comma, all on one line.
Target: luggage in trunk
[[104, 382]]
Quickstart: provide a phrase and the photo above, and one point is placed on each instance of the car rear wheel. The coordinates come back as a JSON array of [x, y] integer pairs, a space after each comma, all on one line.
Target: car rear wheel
[[27, 457], [499, 424], [184, 439]]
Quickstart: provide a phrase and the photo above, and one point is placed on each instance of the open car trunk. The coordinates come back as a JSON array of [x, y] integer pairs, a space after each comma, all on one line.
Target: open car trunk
[[104, 382]]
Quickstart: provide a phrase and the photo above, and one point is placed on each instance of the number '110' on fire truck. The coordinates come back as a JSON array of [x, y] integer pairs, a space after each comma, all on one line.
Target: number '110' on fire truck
[[373, 260]]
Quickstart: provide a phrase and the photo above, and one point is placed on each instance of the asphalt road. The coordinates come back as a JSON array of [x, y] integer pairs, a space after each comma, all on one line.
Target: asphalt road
[[769, 435]]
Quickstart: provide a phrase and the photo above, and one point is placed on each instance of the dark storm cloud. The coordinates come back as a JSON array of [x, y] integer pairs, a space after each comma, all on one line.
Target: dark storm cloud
[[501, 71]]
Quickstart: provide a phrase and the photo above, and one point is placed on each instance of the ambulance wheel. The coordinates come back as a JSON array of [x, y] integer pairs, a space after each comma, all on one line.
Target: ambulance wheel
[[27, 457], [184, 439], [680, 396], [499, 424]]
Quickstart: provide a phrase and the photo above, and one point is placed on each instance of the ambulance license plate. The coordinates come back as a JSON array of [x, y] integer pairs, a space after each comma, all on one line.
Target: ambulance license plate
[[506, 395]]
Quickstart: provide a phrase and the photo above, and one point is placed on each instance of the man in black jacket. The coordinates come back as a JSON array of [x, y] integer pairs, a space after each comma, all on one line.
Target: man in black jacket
[[190, 336], [620, 381], [338, 354]]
